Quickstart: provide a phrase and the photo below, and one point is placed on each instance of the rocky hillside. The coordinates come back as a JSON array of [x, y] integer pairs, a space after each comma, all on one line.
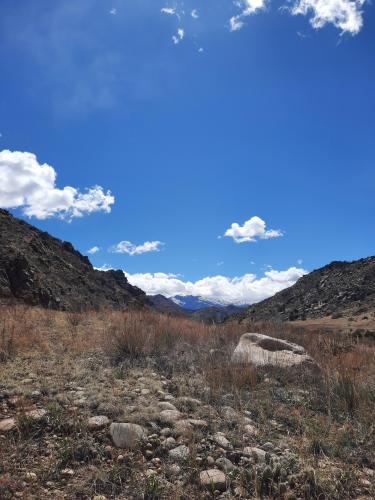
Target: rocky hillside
[[37, 269], [338, 289]]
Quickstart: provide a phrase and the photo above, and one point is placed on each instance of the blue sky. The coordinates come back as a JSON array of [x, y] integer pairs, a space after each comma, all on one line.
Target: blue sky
[[193, 123]]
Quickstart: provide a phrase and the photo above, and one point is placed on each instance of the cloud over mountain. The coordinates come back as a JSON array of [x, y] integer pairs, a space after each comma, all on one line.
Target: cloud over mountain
[[245, 289]]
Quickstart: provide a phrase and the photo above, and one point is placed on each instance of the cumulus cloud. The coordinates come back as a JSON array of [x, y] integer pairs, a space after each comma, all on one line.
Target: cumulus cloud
[[343, 14], [131, 249], [27, 184], [194, 14], [248, 7], [245, 289], [93, 250], [252, 229], [179, 36]]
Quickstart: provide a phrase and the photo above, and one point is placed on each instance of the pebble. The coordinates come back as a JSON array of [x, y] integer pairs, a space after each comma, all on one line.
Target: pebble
[[221, 440]]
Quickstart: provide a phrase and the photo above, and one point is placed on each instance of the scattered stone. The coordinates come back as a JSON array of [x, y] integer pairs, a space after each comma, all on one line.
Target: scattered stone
[[225, 465], [183, 427], [250, 429], [126, 435], [36, 414], [179, 454], [165, 405], [8, 424], [98, 422], [166, 432], [229, 414], [213, 479], [256, 453], [67, 472], [210, 460], [196, 423], [173, 470], [31, 477], [145, 392], [221, 440], [170, 416]]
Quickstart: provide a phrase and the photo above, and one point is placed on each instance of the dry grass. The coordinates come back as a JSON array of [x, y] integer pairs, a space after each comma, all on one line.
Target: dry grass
[[325, 418]]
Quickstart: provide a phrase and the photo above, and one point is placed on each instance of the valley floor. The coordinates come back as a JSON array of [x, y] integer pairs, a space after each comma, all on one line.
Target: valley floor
[[264, 434]]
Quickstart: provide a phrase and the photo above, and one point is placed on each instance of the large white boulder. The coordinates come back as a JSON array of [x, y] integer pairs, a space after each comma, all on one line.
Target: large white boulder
[[262, 350]]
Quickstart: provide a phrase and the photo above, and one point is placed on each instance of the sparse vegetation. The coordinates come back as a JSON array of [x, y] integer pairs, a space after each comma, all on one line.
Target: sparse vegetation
[[316, 434]]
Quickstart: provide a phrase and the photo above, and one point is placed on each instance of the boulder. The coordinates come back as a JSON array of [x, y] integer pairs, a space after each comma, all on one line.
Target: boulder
[[125, 435], [262, 350]]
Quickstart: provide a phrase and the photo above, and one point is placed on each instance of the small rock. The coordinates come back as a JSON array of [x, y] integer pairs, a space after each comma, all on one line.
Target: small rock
[[67, 472], [229, 414], [210, 460], [183, 427], [225, 465], [36, 414], [126, 435], [250, 429], [170, 416], [221, 440], [256, 453], [145, 392], [179, 454], [97, 422], [8, 424], [213, 479], [31, 477], [169, 397], [196, 423], [165, 405], [166, 432], [173, 470], [268, 447]]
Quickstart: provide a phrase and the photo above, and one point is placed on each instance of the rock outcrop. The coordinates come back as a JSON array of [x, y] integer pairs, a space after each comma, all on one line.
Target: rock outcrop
[[262, 350], [38, 269]]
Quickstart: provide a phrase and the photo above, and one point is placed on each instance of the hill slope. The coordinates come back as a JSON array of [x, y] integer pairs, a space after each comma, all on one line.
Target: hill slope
[[38, 269], [340, 288]]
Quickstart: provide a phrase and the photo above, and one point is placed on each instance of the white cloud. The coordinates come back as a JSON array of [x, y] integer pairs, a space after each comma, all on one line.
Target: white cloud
[[131, 249], [170, 11], [113, 11], [343, 14], [245, 289], [194, 14], [93, 250], [179, 37], [27, 184], [248, 7], [253, 229]]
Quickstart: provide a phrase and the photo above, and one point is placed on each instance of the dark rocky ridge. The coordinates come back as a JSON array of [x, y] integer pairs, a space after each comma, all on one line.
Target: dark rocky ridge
[[338, 289], [38, 269]]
